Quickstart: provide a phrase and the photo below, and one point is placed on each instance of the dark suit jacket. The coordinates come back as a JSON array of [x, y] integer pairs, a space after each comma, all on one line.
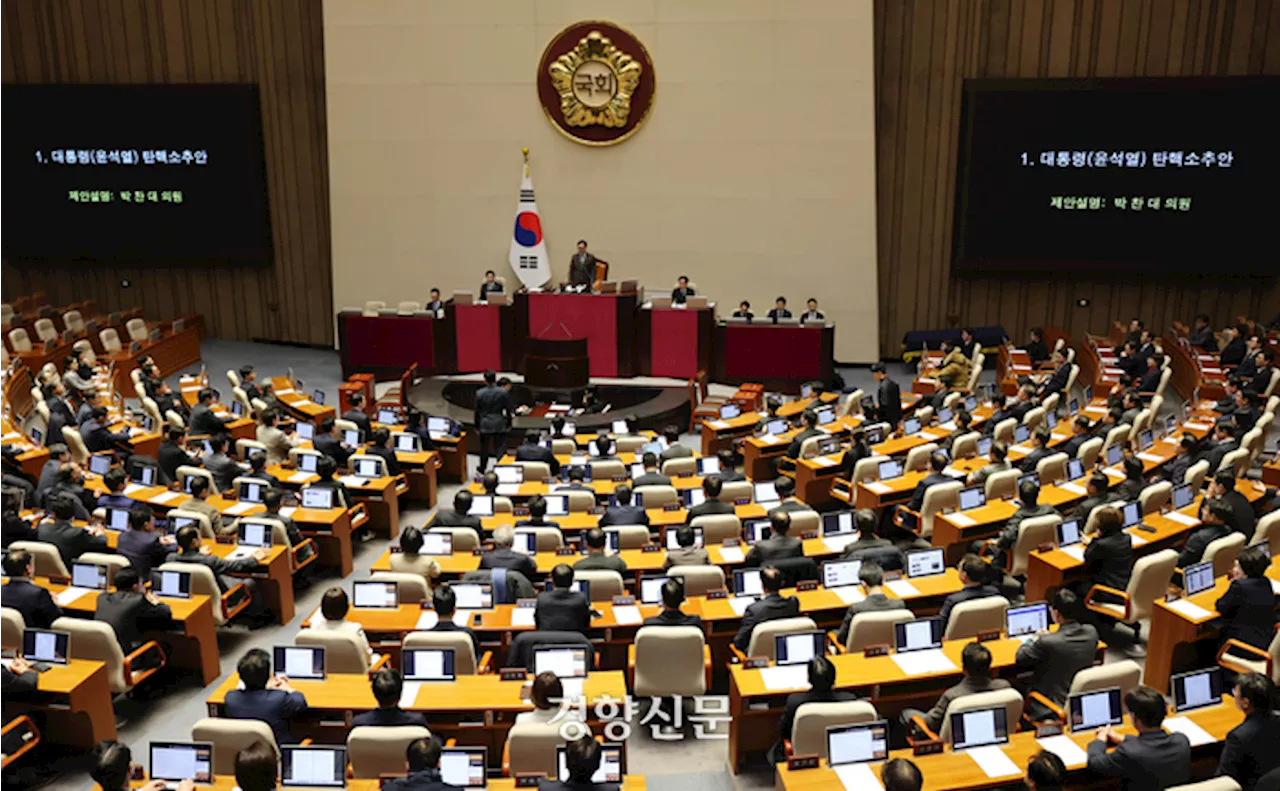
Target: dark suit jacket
[[1250, 751], [1072, 446], [219, 566], [967, 686], [447, 517], [1193, 551], [793, 450], [1057, 381], [331, 446], [130, 614], [203, 421], [598, 561], [673, 618], [680, 295], [1029, 462], [143, 550], [15, 528], [787, 546], [963, 595], [1146, 762], [624, 515], [389, 717], [170, 457], [386, 454], [447, 625], [1057, 657], [275, 707], [15, 687], [651, 479], [360, 419], [34, 602], [1109, 560], [493, 410], [873, 603], [1219, 452], [98, 438], [917, 497], [1258, 383], [1232, 353], [562, 611], [426, 780], [224, 470], [1150, 381], [538, 453], [507, 558], [708, 508], [889, 401], [770, 608], [582, 268], [1243, 518], [880, 550], [776, 314], [1248, 612], [60, 416], [71, 541]]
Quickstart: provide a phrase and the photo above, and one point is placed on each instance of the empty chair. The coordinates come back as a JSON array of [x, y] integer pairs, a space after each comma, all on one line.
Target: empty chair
[[233, 377], [1147, 583], [924, 414], [1089, 451], [732, 491], [229, 737], [965, 445], [1051, 402], [47, 559], [371, 749], [1156, 496], [110, 340], [874, 628], [1196, 474], [6, 313], [1140, 422], [466, 663], [535, 470], [1237, 461], [19, 340], [809, 731], [408, 307], [225, 605], [410, 588], [1222, 552], [630, 444], [608, 469], [45, 330], [852, 404], [563, 447], [1117, 436], [343, 651], [75, 444], [464, 538], [678, 468], [11, 627], [698, 579], [96, 640], [1268, 529], [669, 660], [976, 615], [1033, 418], [548, 539], [762, 636], [1031, 533], [804, 522], [531, 748], [717, 528], [243, 399], [137, 329], [1240, 657], [604, 584], [657, 496], [630, 536], [247, 447], [1052, 467]]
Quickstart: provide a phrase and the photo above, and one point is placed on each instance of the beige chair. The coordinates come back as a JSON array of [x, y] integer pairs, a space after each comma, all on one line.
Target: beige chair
[[579, 501], [112, 561], [965, 446], [999, 484], [1033, 418], [408, 307], [669, 660], [1241, 657], [465, 661], [971, 617], [1215, 784], [918, 457], [110, 340], [345, 425], [808, 448], [410, 588], [698, 579], [1089, 451], [247, 447], [733, 491], [1148, 582], [343, 651], [1052, 467], [1237, 461], [717, 528], [203, 583], [464, 538], [535, 471], [925, 415], [19, 340], [45, 331], [1031, 533], [807, 521], [1140, 422], [6, 313], [874, 628], [563, 446], [1117, 436], [531, 749], [174, 418], [11, 628], [75, 444], [608, 469], [1196, 474], [243, 399], [373, 749], [296, 454], [852, 404], [229, 737], [1223, 552], [1050, 403], [206, 526], [185, 472], [1252, 442], [1268, 530], [658, 496], [1003, 432], [137, 329], [604, 584], [809, 731], [868, 469], [762, 636], [152, 409], [680, 468], [936, 498], [48, 561], [630, 536], [372, 306], [233, 377], [1156, 496], [96, 641], [549, 539], [1009, 698]]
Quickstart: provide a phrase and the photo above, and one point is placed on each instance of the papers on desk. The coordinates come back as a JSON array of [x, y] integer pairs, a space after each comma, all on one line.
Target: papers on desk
[[559, 408], [299, 477], [627, 615], [1275, 587], [838, 543], [903, 588], [1071, 753], [508, 489], [917, 663], [785, 677], [1136, 540], [132, 488], [732, 555], [429, 619], [741, 603], [1190, 610], [878, 487], [1183, 519], [924, 380], [287, 511], [1074, 488], [1151, 457], [1076, 551], [825, 461], [1021, 448], [960, 519], [462, 617], [240, 508], [928, 435], [300, 402], [1113, 372], [954, 472], [770, 439], [167, 497], [858, 777], [354, 481], [523, 616], [69, 595], [10, 437], [992, 760], [1113, 473], [1196, 426], [1211, 371], [718, 424], [240, 552], [948, 427], [1194, 733], [135, 431], [284, 391], [850, 594], [409, 693]]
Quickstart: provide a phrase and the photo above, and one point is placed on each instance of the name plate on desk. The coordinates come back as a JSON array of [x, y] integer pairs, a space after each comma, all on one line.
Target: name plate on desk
[[809, 535], [718, 593], [596, 511], [732, 542], [742, 501], [797, 762], [477, 551], [651, 548], [526, 604], [807, 585], [879, 649], [987, 635], [566, 551], [521, 511], [619, 478], [672, 507], [224, 539], [927, 747], [529, 780], [624, 601], [755, 662], [513, 674]]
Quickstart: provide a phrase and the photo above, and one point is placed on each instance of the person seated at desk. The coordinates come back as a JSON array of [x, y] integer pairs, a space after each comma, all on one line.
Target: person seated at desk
[[71, 541], [1080, 434], [1249, 363], [1261, 378], [779, 544], [712, 485], [1045, 772], [872, 543], [1022, 403], [538, 514], [769, 608], [533, 450], [88, 400], [578, 476], [1248, 606], [502, 556], [199, 504], [1234, 350], [1249, 751], [672, 598], [326, 468], [1151, 376], [225, 470], [410, 560], [744, 311], [387, 686], [1131, 360], [583, 760], [771, 406], [810, 429], [1222, 441], [203, 420], [1245, 410], [962, 420], [257, 767], [334, 606], [357, 415], [1201, 334], [249, 382], [1146, 344], [1057, 381], [1130, 406], [938, 462], [141, 544], [686, 554], [822, 681], [1040, 440], [272, 500], [729, 462], [173, 454], [975, 659], [786, 489], [18, 683], [955, 367], [69, 484], [258, 469], [997, 454], [60, 413], [779, 310], [1242, 518], [379, 446], [415, 424], [975, 576], [1108, 558], [98, 438], [1153, 759], [1175, 472], [596, 559], [491, 285], [168, 401], [131, 610], [1107, 422], [190, 551], [624, 513], [604, 446], [681, 293], [112, 769], [900, 774], [871, 575], [33, 601], [651, 476], [674, 449], [1133, 483], [1213, 515], [591, 403], [327, 441], [1029, 507], [1036, 348], [15, 528], [1056, 657], [545, 693], [267, 698], [77, 374], [116, 480], [812, 313], [562, 609]]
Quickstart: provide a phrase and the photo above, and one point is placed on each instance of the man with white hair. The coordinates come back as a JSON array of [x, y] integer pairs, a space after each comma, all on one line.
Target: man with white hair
[[504, 557]]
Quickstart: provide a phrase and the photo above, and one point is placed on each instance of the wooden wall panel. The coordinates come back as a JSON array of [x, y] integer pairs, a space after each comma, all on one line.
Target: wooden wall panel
[[925, 48], [278, 44]]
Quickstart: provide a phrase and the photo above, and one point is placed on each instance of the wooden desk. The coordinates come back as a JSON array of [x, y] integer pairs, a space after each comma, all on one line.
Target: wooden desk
[[724, 433], [298, 404], [33, 458], [228, 783], [172, 352], [75, 700]]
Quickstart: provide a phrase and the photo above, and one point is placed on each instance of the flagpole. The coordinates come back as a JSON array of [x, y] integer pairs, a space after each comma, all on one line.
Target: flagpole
[[525, 151]]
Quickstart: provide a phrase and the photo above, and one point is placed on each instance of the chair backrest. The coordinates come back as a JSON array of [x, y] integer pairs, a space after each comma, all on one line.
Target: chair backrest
[[563, 447], [247, 447], [698, 579], [465, 661], [243, 398], [186, 471], [1003, 432], [868, 469], [657, 496], [233, 377], [874, 628], [762, 636], [976, 615], [1125, 674], [1117, 436], [925, 414], [464, 538], [631, 444], [11, 627], [918, 457], [371, 750], [965, 445], [806, 521], [174, 418], [936, 498], [669, 661], [1268, 529], [608, 469], [110, 340], [531, 748], [852, 404], [372, 306], [48, 561], [1140, 422], [153, 411], [75, 443], [535, 470], [733, 491], [45, 330], [343, 651], [684, 466], [203, 583], [718, 527], [378, 461], [229, 737], [408, 307], [630, 536], [1215, 784], [579, 500], [1089, 451], [112, 561], [502, 505], [206, 526], [549, 539], [1149, 581], [1252, 443], [137, 329], [808, 448], [296, 453], [410, 588], [1051, 402], [1237, 461], [1154, 497], [1052, 467], [1196, 474], [1223, 552], [1033, 418], [1032, 533], [605, 584], [19, 340], [1011, 699], [809, 731], [96, 640], [345, 425]]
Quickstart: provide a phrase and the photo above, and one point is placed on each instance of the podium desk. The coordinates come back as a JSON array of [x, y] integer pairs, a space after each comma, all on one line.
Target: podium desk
[[606, 321], [476, 337], [172, 352], [386, 345], [779, 355], [679, 341], [718, 434], [32, 458]]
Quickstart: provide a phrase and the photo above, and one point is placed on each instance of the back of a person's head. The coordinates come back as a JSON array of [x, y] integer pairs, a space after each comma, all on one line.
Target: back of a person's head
[[538, 507], [256, 767], [712, 485], [1257, 690], [63, 506], [334, 604], [780, 522], [822, 674], [900, 774], [489, 482], [126, 579], [1146, 705], [546, 690], [999, 450], [772, 579], [1108, 520], [1029, 492], [685, 535], [503, 537], [1226, 478], [115, 479], [1254, 562], [671, 433], [578, 473], [865, 520], [871, 574], [623, 494], [423, 754], [16, 562], [938, 461], [1100, 482], [583, 759], [1067, 604], [595, 538], [649, 459], [976, 659], [532, 436], [1133, 468], [810, 418], [254, 668], [199, 486], [784, 486], [444, 600], [673, 593], [562, 576], [387, 684], [111, 763], [728, 459], [1046, 771], [257, 461], [462, 501], [975, 568], [326, 467]]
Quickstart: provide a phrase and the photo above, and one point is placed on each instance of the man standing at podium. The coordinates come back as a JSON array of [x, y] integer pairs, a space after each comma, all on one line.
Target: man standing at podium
[[582, 267], [493, 415]]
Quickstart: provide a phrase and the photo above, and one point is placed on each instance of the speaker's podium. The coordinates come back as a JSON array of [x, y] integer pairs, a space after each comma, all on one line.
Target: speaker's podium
[[561, 364]]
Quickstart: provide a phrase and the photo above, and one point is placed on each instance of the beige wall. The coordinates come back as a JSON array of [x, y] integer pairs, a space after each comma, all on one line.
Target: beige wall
[[754, 174]]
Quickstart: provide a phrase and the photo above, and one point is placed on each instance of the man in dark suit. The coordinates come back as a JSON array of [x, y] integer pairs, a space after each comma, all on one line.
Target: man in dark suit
[[1234, 351], [141, 544], [422, 759], [577, 476], [1040, 449], [583, 760], [888, 397], [459, 515], [651, 476], [387, 686], [504, 557], [582, 267], [672, 598], [976, 661], [712, 485], [71, 541], [596, 559], [267, 698], [1109, 557], [1224, 441], [871, 546], [1057, 381], [1213, 515], [1175, 472], [779, 544], [1240, 514], [379, 447], [173, 455], [779, 310], [872, 577], [491, 285], [329, 442], [1055, 657], [769, 608], [1201, 334], [674, 449], [624, 513], [729, 466], [492, 417], [1248, 606], [445, 602], [810, 430], [272, 500], [97, 437], [811, 312], [357, 415], [538, 514], [131, 610], [1249, 751], [1151, 377], [562, 609], [1080, 434], [681, 293], [1151, 760], [34, 602], [685, 553], [434, 304], [975, 574], [1262, 374], [1131, 360], [1037, 349], [224, 469], [189, 552], [60, 413], [532, 450], [1022, 404], [937, 463], [203, 420], [822, 681]]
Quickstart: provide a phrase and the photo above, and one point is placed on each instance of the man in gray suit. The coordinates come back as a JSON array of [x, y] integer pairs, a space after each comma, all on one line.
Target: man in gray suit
[[779, 544], [596, 559], [189, 552], [687, 554], [224, 469], [872, 577], [674, 449], [651, 476], [582, 267], [1056, 657], [493, 416], [1150, 761], [786, 489], [770, 608], [976, 661]]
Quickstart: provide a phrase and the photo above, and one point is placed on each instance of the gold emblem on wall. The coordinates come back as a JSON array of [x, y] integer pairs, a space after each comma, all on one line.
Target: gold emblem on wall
[[596, 83]]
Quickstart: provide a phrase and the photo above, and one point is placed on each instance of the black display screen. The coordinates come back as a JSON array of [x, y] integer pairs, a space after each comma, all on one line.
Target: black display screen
[[137, 174], [1127, 175]]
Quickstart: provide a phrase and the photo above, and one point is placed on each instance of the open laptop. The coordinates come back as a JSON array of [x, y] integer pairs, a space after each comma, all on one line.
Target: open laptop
[[365, 467], [839, 573], [1026, 621], [116, 519], [1130, 514], [375, 595], [404, 441], [692, 497], [99, 465], [299, 661], [910, 425], [307, 462], [838, 523], [557, 504], [353, 437], [143, 475], [890, 469], [429, 664], [252, 491], [1094, 709], [984, 445], [1115, 454], [172, 584], [1021, 433], [730, 411], [651, 589], [389, 416], [799, 648], [481, 505], [313, 767], [173, 762], [1075, 469], [672, 531], [918, 635], [464, 767], [473, 595], [972, 497], [777, 426], [1197, 578], [611, 768], [305, 430], [253, 533], [37, 436], [756, 529], [1197, 689], [89, 575], [765, 492], [826, 416], [318, 497], [746, 582], [856, 744], [1069, 533], [436, 544], [1183, 495], [926, 562], [708, 465], [44, 648], [525, 542], [979, 728]]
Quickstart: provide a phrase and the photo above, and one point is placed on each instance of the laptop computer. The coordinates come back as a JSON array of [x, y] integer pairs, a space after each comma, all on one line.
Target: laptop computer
[[99, 465], [972, 497], [44, 648], [651, 589], [252, 533], [307, 462], [1197, 689], [252, 491], [481, 505], [856, 744], [765, 492], [299, 661], [1027, 620], [570, 663], [1069, 532], [611, 768], [918, 635], [173, 584], [318, 497], [756, 529], [746, 582], [305, 430], [926, 562], [708, 465], [473, 595], [672, 533], [173, 762], [839, 573], [404, 441], [1197, 578], [89, 575], [890, 469], [366, 467], [143, 475], [436, 544], [798, 648], [429, 664], [979, 728], [313, 767], [375, 595], [116, 519], [1094, 709], [464, 767]]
